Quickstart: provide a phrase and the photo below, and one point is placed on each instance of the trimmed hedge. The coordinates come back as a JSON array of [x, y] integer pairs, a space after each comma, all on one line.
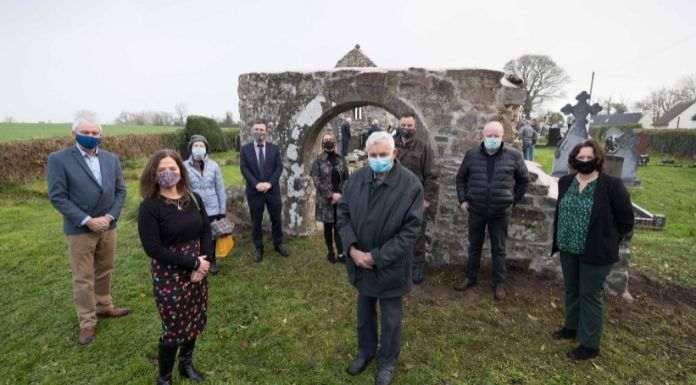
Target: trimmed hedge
[[232, 140], [679, 142], [200, 125], [25, 160]]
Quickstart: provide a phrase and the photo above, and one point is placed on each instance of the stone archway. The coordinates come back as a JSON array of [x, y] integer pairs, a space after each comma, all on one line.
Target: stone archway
[[451, 107]]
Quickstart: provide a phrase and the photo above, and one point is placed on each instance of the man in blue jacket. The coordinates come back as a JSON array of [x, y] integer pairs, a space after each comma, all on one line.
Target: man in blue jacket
[[85, 185], [491, 179], [261, 167]]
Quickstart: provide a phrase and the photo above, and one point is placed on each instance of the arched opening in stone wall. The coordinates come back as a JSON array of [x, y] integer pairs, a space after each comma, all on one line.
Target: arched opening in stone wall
[[362, 113]]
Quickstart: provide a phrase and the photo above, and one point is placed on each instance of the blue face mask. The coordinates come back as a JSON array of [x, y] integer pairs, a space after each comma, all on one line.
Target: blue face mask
[[86, 141], [198, 153], [380, 165], [492, 144]]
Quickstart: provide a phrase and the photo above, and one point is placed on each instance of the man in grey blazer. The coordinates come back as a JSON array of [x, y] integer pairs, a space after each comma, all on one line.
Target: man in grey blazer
[[85, 185]]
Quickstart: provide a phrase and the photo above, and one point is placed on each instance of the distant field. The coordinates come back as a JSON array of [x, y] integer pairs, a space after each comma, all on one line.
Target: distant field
[[18, 131]]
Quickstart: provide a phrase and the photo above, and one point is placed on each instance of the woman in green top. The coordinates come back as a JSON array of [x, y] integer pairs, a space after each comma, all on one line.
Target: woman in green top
[[593, 215]]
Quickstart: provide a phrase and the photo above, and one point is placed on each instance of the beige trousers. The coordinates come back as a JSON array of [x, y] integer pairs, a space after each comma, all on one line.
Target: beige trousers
[[91, 260]]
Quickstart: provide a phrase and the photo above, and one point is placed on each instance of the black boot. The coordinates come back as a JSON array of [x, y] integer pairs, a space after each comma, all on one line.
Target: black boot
[[165, 358], [213, 269], [186, 368]]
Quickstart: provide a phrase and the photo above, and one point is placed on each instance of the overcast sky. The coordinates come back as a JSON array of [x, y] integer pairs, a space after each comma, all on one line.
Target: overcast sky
[[60, 56]]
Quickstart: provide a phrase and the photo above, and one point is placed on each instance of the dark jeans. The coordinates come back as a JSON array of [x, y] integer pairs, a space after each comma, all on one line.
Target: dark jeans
[[498, 233], [274, 206], [344, 147], [391, 310], [331, 235], [419, 248], [528, 151], [584, 285]]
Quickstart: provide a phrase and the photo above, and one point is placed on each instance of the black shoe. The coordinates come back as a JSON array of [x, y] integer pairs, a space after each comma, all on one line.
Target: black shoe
[[564, 334], [357, 366], [418, 276], [384, 376], [186, 368], [258, 255], [341, 259], [165, 380], [582, 353], [467, 283], [331, 257], [213, 269], [281, 250]]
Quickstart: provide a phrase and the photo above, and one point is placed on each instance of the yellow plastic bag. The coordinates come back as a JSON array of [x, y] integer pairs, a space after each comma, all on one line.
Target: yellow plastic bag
[[223, 246]]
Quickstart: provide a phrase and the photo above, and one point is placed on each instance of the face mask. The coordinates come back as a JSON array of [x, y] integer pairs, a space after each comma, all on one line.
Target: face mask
[[329, 145], [407, 132], [168, 179], [258, 136], [198, 153], [86, 141], [380, 165], [584, 167], [492, 144]]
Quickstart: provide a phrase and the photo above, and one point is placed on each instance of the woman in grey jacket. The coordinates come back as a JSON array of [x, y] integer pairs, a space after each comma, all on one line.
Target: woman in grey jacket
[[206, 181]]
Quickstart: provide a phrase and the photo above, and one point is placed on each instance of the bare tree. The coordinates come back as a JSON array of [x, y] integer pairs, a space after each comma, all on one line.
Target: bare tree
[[543, 79], [686, 87], [180, 109], [9, 119], [659, 101]]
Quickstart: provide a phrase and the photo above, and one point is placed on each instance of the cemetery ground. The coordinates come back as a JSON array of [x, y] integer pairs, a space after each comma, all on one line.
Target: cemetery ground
[[16, 131], [291, 320]]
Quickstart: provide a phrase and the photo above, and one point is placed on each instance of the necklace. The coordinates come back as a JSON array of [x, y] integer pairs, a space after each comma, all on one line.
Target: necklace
[[179, 202]]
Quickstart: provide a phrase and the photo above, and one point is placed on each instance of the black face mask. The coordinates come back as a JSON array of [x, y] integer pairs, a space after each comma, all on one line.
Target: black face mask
[[328, 145], [406, 132], [584, 167]]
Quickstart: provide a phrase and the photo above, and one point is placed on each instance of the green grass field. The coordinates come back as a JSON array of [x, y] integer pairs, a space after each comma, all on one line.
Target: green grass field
[[18, 131], [292, 320]]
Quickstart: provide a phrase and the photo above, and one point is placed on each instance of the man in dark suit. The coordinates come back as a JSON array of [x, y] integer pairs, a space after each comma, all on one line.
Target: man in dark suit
[[261, 167], [86, 185], [345, 136]]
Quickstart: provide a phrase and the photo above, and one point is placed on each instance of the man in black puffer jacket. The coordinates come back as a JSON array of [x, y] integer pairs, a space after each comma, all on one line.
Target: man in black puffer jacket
[[491, 179]]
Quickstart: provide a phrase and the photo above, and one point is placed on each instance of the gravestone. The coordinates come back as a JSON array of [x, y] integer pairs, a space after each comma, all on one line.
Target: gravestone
[[620, 142], [554, 136], [576, 134]]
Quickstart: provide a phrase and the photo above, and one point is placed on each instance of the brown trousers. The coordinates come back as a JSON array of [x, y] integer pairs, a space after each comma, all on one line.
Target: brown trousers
[[91, 260]]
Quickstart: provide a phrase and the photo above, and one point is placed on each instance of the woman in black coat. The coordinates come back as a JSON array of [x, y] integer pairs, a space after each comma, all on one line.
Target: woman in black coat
[[175, 232], [593, 215]]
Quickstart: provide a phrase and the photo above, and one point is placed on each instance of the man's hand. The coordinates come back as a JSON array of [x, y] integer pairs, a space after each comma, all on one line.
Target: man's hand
[[426, 204], [335, 198], [360, 258], [267, 186], [260, 187], [465, 207], [99, 224]]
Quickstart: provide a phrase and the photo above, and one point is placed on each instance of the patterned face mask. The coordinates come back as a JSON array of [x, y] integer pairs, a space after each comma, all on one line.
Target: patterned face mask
[[168, 179]]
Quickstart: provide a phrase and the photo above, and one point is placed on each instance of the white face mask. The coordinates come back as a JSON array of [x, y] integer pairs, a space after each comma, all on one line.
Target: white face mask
[[198, 153]]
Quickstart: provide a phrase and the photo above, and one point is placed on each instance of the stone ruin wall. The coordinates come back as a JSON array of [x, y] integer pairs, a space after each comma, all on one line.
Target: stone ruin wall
[[451, 108]]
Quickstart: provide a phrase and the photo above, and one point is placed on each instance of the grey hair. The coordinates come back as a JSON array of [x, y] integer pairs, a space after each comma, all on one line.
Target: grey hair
[[85, 116], [380, 137], [375, 122]]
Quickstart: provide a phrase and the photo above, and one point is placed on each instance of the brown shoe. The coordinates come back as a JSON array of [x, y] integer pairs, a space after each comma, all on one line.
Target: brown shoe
[[114, 312], [500, 291], [86, 335], [465, 284]]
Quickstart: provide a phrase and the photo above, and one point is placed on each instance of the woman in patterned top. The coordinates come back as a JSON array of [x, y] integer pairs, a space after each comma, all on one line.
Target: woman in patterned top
[[593, 215], [329, 174], [175, 232]]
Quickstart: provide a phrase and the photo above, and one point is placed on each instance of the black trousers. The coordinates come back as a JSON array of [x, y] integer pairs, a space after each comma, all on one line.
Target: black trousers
[[391, 311], [274, 205], [419, 248], [331, 235], [498, 233]]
